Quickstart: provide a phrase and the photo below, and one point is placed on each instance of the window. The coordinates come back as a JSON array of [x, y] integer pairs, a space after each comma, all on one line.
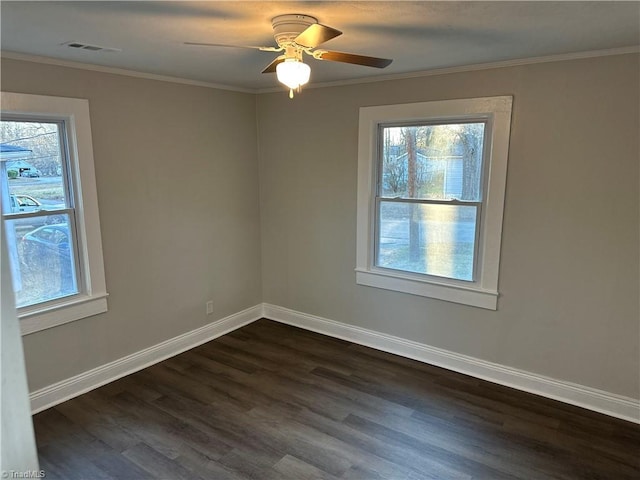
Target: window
[[431, 180], [49, 209]]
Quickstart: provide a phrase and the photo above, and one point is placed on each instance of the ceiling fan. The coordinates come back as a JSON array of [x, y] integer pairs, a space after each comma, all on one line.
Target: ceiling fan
[[298, 34]]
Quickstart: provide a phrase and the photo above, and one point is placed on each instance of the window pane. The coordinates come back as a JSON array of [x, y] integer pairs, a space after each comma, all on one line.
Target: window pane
[[430, 239], [33, 156], [42, 258], [432, 161]]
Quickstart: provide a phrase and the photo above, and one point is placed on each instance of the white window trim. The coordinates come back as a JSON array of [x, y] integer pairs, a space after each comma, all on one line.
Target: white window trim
[[93, 298], [484, 291]]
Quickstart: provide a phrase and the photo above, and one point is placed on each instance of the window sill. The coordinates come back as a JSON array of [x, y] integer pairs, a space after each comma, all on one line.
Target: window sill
[[472, 296], [80, 306]]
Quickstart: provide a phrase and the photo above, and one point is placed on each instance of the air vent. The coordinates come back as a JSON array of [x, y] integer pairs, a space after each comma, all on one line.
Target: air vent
[[92, 48]]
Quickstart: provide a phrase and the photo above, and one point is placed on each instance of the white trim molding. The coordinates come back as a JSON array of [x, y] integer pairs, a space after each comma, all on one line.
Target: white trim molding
[[516, 62], [118, 71], [600, 401], [590, 398], [495, 114], [81, 307], [91, 298], [72, 387], [354, 81]]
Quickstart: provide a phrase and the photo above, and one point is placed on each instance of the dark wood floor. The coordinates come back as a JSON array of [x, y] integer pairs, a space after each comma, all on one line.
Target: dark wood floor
[[271, 401]]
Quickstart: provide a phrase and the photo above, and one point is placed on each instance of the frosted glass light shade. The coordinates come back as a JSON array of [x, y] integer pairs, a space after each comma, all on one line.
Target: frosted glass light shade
[[293, 73]]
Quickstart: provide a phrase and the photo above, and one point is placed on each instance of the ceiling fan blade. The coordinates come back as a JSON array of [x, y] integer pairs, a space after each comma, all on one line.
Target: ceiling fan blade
[[351, 58], [263, 49], [315, 34], [271, 68]]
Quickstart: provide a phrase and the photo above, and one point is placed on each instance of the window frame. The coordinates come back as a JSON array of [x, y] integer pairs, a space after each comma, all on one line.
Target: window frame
[[496, 113], [80, 180]]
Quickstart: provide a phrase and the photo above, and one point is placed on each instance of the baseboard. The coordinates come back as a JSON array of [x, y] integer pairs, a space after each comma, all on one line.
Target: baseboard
[[590, 398], [72, 387]]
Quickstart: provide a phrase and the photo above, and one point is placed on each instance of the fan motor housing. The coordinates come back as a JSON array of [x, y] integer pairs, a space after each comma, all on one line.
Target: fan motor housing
[[287, 27]]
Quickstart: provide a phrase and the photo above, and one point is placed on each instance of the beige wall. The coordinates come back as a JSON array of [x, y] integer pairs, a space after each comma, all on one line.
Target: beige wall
[[181, 220], [177, 179], [569, 272]]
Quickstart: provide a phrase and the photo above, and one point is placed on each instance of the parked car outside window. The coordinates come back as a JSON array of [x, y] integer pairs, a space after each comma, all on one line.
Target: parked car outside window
[[24, 203]]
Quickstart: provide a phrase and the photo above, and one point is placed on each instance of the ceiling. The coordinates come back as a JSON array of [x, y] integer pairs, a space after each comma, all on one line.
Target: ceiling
[[418, 36]]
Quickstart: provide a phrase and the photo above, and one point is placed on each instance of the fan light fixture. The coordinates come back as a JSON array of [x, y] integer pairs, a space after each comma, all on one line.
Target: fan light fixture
[[297, 34], [293, 73]]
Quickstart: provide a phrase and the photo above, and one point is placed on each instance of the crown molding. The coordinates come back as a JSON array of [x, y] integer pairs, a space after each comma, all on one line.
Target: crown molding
[[119, 71], [378, 78], [470, 68]]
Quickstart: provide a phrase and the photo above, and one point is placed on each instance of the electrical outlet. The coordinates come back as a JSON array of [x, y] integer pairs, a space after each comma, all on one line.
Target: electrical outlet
[[209, 307]]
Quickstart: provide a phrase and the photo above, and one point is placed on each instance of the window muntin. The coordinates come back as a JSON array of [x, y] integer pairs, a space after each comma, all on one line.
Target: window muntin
[[39, 213], [429, 198]]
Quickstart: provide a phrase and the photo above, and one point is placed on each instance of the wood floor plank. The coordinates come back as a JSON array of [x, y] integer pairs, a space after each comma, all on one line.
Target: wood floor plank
[[274, 402], [292, 467], [202, 463], [313, 428], [439, 459], [166, 432], [232, 428], [67, 464], [157, 465], [247, 462], [101, 424]]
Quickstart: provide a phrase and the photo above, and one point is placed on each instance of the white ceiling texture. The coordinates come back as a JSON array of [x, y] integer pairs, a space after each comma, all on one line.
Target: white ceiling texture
[[418, 36]]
